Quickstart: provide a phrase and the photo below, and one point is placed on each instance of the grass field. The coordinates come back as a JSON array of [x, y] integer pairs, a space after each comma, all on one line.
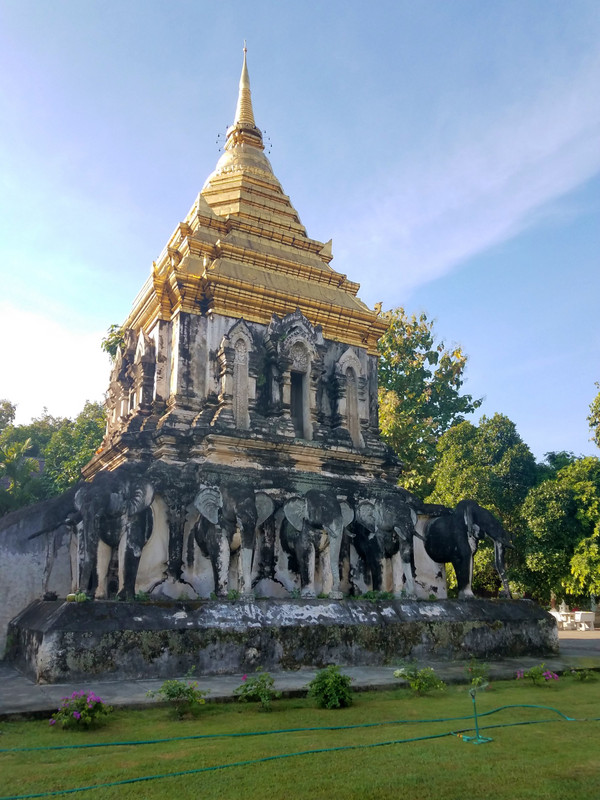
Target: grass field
[[550, 760]]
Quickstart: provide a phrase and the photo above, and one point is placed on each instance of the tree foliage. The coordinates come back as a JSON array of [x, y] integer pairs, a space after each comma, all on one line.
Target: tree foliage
[[562, 519], [419, 393], [115, 337], [72, 446], [45, 457], [594, 417], [7, 414], [488, 463], [16, 476], [492, 465], [39, 432]]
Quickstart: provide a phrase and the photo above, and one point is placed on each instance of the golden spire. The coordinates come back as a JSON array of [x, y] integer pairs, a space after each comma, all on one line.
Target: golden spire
[[243, 112]]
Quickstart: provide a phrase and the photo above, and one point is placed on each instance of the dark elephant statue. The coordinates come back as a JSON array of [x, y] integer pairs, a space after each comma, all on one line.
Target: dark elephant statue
[[454, 538], [315, 523], [229, 518], [113, 509], [384, 529]]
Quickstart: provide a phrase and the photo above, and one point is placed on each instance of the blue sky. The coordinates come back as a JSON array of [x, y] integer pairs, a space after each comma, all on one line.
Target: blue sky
[[450, 149]]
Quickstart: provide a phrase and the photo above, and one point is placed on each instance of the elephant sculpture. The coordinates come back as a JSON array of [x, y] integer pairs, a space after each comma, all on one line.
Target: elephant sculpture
[[229, 519], [315, 523], [455, 537], [114, 509], [390, 525]]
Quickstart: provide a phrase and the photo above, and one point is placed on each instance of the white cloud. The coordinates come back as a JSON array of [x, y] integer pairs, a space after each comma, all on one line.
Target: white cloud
[[453, 201], [47, 363]]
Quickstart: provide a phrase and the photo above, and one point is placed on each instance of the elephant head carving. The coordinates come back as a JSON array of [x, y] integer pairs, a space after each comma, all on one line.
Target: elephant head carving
[[315, 522], [112, 507], [390, 522], [229, 518]]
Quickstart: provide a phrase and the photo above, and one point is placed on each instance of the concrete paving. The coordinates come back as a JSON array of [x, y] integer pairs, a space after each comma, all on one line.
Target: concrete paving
[[21, 696]]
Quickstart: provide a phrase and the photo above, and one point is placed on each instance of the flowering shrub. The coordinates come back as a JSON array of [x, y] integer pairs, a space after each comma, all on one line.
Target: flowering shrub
[[537, 674], [185, 697], [257, 689], [330, 688], [421, 681], [81, 710]]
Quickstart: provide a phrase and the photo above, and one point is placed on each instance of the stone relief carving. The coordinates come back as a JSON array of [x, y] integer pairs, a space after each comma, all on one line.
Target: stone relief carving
[[228, 520], [384, 529], [315, 523], [351, 395], [295, 350], [114, 510], [240, 536], [131, 386], [238, 385]]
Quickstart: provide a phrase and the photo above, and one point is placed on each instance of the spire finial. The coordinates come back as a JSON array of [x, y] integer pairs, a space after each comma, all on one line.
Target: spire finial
[[243, 112]]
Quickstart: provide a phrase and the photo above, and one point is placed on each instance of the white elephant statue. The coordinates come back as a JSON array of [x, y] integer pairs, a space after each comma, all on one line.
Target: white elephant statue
[[229, 518], [112, 510], [316, 523], [390, 523]]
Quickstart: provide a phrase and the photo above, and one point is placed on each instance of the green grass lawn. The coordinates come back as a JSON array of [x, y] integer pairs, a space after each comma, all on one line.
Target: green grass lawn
[[555, 759]]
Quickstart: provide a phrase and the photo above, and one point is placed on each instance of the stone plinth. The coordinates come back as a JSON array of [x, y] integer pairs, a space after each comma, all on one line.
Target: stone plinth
[[54, 641]]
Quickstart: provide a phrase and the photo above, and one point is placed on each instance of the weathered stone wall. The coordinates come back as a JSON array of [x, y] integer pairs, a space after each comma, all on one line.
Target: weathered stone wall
[[31, 567], [34, 563], [55, 642]]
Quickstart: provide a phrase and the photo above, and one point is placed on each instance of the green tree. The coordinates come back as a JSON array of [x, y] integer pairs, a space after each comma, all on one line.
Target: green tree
[[115, 337], [16, 476], [7, 414], [58, 447], [39, 431], [419, 394], [72, 446], [594, 417], [488, 463], [562, 519], [492, 465], [553, 462]]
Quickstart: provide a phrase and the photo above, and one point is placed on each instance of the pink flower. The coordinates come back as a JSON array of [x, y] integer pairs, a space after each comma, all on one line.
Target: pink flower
[[77, 715], [244, 677], [519, 674], [52, 722], [550, 676]]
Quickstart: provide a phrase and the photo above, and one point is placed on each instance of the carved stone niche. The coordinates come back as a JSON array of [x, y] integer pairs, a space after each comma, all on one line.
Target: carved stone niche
[[352, 391], [117, 399], [142, 375], [296, 349], [131, 387], [237, 377]]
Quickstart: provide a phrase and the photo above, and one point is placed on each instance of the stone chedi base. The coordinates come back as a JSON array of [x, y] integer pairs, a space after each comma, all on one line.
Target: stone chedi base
[[53, 642]]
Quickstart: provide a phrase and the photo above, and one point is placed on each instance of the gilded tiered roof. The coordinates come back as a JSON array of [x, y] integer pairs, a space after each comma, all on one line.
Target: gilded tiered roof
[[242, 251]]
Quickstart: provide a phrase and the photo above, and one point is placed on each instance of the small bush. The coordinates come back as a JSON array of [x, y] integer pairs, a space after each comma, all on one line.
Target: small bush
[[421, 681], [257, 689], [330, 688], [81, 710], [478, 673], [142, 597], [184, 696], [537, 674], [583, 675]]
